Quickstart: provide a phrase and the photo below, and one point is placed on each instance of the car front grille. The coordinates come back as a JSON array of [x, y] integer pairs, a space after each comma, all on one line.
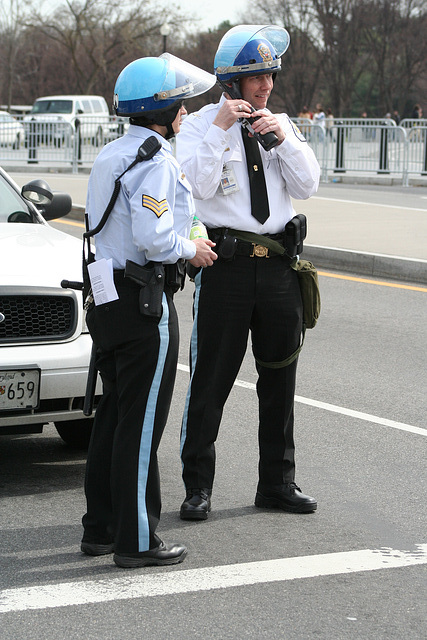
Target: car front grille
[[40, 315]]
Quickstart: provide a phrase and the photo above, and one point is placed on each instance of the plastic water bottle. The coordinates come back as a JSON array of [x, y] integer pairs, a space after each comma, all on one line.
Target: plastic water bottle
[[198, 229]]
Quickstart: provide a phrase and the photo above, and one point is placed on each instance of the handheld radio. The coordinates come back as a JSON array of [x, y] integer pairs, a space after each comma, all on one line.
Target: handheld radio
[[267, 140]]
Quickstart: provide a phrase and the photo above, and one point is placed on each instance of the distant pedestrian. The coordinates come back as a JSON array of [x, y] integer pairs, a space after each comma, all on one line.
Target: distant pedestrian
[[417, 112], [366, 131], [319, 118], [329, 123], [305, 113]]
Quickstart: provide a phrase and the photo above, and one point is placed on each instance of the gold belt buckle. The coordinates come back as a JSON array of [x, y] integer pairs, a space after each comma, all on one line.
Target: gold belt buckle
[[259, 251]]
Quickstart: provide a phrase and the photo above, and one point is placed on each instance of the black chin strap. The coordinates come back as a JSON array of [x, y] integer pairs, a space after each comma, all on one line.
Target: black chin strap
[[170, 132]]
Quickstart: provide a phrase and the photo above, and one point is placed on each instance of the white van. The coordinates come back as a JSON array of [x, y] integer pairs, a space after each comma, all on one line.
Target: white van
[[57, 118]]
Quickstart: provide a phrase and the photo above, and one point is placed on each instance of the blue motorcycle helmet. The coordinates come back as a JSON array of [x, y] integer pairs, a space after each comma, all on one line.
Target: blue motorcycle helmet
[[248, 50], [152, 90]]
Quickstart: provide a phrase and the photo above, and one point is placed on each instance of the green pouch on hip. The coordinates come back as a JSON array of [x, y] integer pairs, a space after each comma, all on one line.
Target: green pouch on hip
[[310, 294]]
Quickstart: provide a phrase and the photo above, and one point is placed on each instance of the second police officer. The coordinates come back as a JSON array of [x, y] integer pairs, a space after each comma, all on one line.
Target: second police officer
[[141, 236], [250, 288]]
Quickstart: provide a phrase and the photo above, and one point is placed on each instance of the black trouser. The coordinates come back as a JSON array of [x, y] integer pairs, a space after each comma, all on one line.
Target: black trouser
[[260, 295], [137, 359]]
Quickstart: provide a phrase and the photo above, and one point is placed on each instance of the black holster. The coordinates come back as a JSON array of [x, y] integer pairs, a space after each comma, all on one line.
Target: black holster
[[175, 275], [295, 234], [151, 279]]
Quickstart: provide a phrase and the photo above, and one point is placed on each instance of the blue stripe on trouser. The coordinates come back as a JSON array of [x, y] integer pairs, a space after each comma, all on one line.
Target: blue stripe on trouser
[[147, 431], [193, 345]]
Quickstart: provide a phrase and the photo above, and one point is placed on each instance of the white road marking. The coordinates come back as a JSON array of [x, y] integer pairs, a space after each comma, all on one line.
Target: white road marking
[[144, 585], [336, 409], [371, 204], [363, 416]]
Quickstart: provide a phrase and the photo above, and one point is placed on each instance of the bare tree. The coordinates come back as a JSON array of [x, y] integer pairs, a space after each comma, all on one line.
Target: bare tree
[[343, 52], [12, 16], [99, 38], [344, 56], [395, 33]]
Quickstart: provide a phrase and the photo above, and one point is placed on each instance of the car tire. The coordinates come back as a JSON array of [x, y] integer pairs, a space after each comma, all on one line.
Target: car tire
[[76, 433]]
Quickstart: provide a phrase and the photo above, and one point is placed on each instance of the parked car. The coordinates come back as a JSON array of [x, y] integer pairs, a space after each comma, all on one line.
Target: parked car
[[57, 118], [44, 343], [11, 131]]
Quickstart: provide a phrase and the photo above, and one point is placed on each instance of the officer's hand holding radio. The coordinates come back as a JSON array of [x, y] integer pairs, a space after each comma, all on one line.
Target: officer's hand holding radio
[[264, 123], [260, 122]]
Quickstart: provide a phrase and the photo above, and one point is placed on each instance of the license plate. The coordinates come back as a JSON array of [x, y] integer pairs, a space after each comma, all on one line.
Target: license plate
[[19, 389]]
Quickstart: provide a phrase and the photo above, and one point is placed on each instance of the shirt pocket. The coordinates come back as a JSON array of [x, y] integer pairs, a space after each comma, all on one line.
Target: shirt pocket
[[184, 202], [272, 167], [233, 155]]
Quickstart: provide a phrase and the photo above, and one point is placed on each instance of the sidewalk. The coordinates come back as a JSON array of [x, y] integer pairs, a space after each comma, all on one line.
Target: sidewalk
[[375, 242]]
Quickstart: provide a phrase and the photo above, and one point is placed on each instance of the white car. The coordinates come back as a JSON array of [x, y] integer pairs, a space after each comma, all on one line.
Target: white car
[[58, 118], [11, 131], [44, 344]]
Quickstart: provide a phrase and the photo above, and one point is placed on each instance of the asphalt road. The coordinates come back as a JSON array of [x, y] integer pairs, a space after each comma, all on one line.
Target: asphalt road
[[354, 569]]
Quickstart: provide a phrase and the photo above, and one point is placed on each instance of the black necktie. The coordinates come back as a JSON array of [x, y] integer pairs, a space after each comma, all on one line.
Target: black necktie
[[259, 199]]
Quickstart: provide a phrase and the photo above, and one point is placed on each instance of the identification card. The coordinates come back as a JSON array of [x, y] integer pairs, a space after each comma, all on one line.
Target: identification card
[[228, 180], [101, 279]]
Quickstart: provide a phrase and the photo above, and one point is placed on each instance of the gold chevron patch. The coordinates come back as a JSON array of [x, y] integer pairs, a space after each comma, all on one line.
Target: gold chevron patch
[[154, 205]]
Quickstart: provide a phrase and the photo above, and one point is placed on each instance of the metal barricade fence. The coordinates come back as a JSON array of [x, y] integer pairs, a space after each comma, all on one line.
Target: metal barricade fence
[[347, 146], [51, 142], [366, 146], [416, 147]]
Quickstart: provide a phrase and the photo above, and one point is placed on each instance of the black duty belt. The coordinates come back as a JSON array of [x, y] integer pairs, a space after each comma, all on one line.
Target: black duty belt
[[253, 250], [242, 243]]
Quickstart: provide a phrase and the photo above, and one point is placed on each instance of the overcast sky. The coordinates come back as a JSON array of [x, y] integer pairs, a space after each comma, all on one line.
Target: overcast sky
[[214, 12]]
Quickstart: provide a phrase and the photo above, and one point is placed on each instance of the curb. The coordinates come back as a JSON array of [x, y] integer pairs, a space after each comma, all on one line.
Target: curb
[[371, 264]]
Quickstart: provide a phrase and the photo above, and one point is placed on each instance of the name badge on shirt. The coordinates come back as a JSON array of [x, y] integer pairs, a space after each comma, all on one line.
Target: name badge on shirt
[[228, 180]]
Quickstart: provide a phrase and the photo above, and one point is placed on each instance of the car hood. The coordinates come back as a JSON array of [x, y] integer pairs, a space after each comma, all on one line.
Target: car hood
[[38, 255], [44, 116]]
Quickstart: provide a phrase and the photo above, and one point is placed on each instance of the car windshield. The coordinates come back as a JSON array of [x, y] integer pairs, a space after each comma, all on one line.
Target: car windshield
[[52, 106], [12, 207]]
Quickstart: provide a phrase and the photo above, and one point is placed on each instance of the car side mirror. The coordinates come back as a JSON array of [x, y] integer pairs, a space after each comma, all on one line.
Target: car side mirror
[[38, 192], [60, 206], [51, 205]]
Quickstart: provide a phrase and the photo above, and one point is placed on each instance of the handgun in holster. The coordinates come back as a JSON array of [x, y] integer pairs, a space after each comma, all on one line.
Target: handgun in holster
[[295, 234], [151, 279]]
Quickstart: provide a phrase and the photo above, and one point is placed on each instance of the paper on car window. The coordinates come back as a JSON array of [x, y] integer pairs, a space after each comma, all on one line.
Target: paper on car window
[[101, 279]]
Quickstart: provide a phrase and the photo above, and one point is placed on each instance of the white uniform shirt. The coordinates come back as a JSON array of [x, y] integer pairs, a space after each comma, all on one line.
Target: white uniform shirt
[[152, 217], [291, 170]]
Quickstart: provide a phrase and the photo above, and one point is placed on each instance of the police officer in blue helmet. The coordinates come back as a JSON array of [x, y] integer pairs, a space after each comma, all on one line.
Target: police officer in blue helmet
[[139, 211], [245, 165]]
